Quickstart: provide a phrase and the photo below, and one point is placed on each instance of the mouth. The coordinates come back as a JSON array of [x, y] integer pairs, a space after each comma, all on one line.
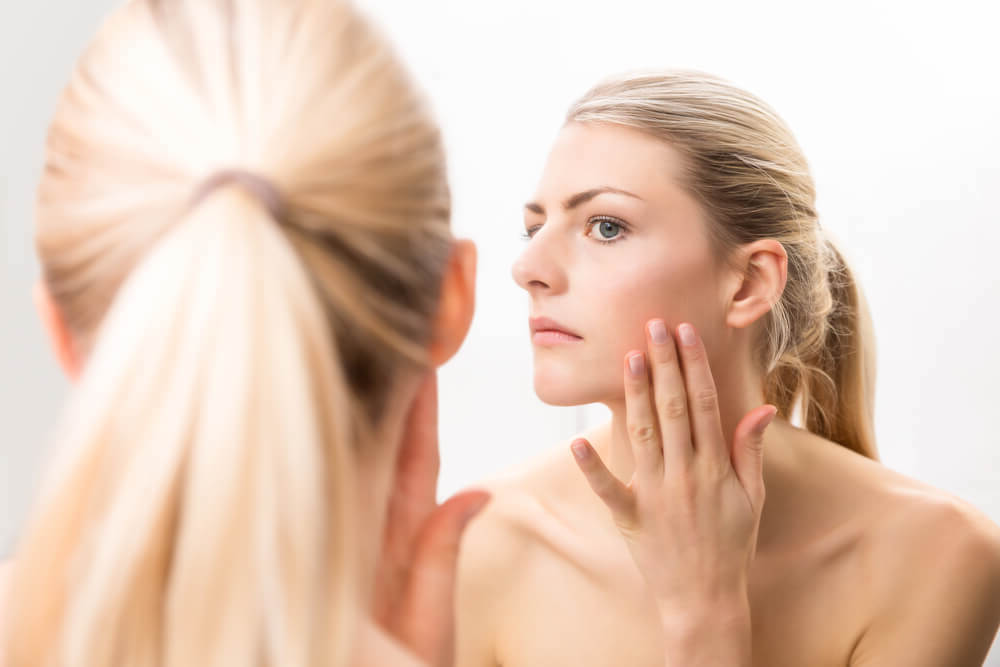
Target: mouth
[[545, 331]]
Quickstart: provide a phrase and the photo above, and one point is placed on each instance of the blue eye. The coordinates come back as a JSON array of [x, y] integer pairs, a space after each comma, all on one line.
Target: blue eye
[[608, 230]]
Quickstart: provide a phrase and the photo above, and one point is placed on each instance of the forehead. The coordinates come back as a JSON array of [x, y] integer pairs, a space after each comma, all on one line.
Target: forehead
[[587, 155]]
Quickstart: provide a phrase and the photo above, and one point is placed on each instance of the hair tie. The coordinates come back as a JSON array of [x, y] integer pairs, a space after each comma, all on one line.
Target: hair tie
[[258, 186]]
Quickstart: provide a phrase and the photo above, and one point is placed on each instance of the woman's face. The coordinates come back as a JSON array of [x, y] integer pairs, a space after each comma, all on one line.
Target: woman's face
[[614, 241]]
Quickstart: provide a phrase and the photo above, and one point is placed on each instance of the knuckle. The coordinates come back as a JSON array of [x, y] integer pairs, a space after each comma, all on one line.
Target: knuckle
[[642, 433], [674, 407], [706, 400]]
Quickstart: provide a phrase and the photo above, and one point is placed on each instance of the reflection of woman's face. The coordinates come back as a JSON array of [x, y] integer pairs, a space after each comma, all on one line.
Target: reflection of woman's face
[[615, 241]]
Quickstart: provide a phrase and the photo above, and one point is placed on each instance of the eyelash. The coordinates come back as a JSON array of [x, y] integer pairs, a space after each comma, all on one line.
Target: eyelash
[[596, 220]]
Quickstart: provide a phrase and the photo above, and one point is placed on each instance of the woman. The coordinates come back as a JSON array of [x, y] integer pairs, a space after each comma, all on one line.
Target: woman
[[671, 200], [243, 225]]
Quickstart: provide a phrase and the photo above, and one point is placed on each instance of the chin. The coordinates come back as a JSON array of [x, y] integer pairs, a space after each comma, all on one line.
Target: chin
[[567, 389]]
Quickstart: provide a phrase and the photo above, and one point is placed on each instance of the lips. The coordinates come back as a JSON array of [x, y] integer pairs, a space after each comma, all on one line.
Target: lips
[[550, 328]]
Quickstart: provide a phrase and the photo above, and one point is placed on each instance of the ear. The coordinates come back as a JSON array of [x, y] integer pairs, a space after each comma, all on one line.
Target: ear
[[457, 303], [758, 282], [59, 334]]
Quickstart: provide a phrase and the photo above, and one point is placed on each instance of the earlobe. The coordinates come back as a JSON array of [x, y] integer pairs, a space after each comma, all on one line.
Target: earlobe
[[457, 304], [60, 338], [760, 283]]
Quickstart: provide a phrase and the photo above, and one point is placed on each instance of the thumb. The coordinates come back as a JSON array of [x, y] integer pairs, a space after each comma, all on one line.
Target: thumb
[[616, 495], [748, 452], [426, 617]]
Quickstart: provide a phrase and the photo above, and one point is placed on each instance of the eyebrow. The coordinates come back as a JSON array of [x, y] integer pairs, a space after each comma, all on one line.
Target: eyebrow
[[581, 198]]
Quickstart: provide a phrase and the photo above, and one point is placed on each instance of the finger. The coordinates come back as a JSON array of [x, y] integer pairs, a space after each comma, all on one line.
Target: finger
[[703, 399], [425, 619], [748, 453], [669, 397], [617, 496], [643, 431], [418, 461], [413, 495]]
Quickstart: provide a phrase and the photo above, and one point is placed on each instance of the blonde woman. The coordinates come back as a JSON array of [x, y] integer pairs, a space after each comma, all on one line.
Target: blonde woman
[[675, 227], [243, 225]]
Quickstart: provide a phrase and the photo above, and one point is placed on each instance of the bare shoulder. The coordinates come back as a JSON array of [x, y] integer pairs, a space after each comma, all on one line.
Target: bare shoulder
[[924, 528], [925, 564], [924, 533], [501, 546], [937, 584], [913, 515], [908, 519], [900, 507], [930, 563], [520, 517]]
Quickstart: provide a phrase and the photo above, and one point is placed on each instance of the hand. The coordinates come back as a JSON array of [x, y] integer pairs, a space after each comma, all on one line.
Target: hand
[[691, 511], [415, 586]]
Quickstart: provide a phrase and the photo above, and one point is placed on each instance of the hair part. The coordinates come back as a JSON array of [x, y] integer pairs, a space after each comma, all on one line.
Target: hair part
[[746, 169]]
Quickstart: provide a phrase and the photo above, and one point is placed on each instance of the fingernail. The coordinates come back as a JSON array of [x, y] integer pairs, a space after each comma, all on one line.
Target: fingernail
[[658, 332], [687, 334], [580, 450], [635, 364]]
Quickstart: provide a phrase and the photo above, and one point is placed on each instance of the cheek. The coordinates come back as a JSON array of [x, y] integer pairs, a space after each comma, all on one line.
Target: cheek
[[611, 307], [624, 300], [640, 292]]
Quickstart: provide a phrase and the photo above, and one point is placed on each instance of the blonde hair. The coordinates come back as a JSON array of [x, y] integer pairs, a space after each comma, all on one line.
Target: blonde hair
[[746, 169], [200, 508]]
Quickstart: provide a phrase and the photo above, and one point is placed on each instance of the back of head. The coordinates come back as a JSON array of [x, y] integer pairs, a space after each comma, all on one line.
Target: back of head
[[240, 344], [746, 169]]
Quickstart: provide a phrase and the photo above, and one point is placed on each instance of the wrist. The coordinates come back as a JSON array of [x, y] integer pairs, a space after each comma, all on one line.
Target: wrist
[[715, 633]]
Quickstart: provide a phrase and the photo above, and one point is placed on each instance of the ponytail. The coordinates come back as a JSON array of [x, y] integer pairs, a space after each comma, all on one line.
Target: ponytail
[[200, 508], [839, 391], [829, 373]]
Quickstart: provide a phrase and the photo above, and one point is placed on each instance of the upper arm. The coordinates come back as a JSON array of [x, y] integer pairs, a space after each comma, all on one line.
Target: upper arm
[[943, 606]]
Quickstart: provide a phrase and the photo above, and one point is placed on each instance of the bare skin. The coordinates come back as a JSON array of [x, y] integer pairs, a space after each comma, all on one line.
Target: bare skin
[[854, 564]]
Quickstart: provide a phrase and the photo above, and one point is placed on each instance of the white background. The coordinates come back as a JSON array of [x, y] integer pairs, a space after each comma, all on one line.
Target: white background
[[895, 104]]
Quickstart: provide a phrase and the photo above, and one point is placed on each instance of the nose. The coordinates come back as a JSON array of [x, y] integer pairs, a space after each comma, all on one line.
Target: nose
[[540, 268]]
